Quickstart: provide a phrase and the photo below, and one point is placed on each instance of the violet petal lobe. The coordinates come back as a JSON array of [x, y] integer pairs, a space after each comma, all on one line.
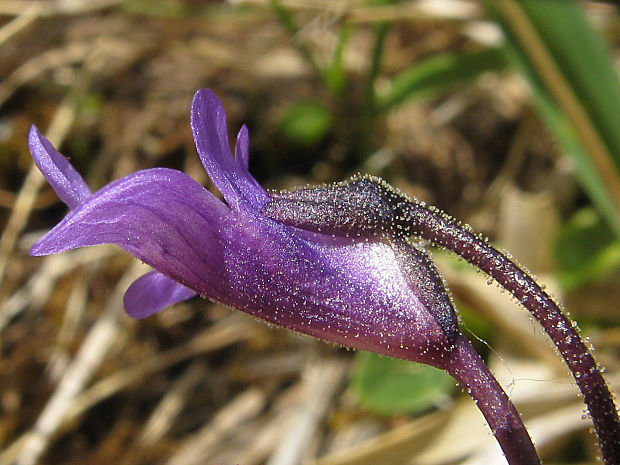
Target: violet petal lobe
[[161, 216], [63, 177], [232, 179], [153, 292], [242, 147]]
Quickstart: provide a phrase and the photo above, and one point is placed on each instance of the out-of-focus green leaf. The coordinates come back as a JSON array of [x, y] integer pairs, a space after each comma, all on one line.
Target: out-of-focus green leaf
[[585, 249], [575, 89], [305, 122], [388, 385], [440, 72]]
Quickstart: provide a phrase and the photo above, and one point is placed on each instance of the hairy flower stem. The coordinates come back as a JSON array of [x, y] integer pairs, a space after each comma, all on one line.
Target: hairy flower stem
[[443, 231], [366, 206], [466, 366]]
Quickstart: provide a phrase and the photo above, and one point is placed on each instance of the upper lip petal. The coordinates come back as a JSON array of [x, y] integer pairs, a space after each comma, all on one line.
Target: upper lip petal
[[230, 175], [63, 177]]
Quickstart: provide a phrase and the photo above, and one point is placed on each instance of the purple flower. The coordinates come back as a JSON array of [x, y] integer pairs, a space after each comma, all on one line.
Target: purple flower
[[370, 291], [363, 293]]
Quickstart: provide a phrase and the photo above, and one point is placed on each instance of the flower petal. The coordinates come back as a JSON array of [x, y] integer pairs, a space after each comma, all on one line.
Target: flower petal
[[232, 179], [161, 216], [63, 178], [242, 147], [153, 292]]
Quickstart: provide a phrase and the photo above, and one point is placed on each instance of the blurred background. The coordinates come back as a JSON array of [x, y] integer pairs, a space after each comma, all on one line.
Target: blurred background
[[503, 114]]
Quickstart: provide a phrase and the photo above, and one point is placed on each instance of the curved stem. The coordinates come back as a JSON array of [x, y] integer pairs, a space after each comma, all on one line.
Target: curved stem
[[474, 376], [444, 231]]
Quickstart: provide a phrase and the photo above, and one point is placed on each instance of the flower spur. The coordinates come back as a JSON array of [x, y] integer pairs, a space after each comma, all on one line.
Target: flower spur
[[368, 291]]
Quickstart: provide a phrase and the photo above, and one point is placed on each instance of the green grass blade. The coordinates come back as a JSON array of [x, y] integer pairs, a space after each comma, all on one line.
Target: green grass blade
[[334, 75], [439, 73], [575, 88]]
